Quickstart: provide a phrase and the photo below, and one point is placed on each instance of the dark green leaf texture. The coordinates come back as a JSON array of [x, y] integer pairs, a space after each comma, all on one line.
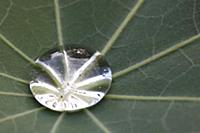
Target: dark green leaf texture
[[160, 93]]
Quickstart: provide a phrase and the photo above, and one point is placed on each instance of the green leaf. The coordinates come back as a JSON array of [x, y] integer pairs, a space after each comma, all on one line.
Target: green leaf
[[153, 49]]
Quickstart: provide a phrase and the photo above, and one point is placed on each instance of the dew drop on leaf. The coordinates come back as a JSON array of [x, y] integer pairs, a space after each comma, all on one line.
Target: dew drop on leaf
[[71, 80]]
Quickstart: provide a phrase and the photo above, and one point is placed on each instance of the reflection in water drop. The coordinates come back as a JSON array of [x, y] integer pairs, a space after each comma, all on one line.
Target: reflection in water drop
[[73, 80]]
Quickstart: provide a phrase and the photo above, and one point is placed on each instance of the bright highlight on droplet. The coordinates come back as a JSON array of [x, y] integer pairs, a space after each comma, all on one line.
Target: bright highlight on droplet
[[72, 80]]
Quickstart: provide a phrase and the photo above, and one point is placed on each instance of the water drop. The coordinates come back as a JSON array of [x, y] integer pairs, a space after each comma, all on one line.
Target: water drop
[[71, 77]]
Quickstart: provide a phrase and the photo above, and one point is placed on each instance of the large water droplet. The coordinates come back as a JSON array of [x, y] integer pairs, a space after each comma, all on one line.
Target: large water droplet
[[72, 79]]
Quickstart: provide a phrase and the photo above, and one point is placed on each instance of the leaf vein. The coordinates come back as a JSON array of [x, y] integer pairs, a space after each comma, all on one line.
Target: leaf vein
[[11, 117], [14, 78], [97, 121], [58, 121], [13, 47], [58, 23], [6, 14], [154, 98], [122, 26], [156, 56], [15, 94]]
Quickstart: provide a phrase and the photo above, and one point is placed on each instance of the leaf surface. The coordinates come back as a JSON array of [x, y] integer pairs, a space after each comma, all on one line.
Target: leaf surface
[[157, 26]]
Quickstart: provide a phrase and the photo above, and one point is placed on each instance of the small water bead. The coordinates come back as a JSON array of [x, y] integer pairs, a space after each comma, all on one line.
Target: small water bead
[[74, 79]]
